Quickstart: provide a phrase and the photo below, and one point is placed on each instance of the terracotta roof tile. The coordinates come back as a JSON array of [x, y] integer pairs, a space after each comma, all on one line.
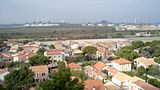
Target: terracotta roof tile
[[2, 71], [42, 68], [99, 65], [112, 70], [102, 50], [145, 86], [100, 73], [55, 52], [122, 61], [74, 66], [97, 83]]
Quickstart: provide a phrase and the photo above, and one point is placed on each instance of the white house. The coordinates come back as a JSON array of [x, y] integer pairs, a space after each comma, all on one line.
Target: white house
[[23, 56], [55, 55], [122, 64], [13, 49], [94, 73], [144, 62], [3, 72], [122, 80], [103, 53]]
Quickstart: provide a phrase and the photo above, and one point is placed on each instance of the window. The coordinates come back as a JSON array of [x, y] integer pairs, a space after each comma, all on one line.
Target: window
[[43, 74], [36, 80]]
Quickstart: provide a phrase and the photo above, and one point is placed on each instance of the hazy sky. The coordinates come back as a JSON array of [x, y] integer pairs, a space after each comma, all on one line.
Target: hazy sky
[[20, 11]]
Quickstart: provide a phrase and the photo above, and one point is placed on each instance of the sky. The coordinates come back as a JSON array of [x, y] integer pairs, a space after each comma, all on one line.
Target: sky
[[79, 11]]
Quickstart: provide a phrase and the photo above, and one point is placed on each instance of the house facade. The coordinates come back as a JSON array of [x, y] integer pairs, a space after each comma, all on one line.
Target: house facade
[[122, 64], [122, 80], [103, 53], [94, 73], [55, 55], [3, 72], [144, 62], [111, 71], [23, 56], [41, 73]]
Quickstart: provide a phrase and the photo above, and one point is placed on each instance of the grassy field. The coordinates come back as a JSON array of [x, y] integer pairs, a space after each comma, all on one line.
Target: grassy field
[[62, 33], [145, 38], [52, 32]]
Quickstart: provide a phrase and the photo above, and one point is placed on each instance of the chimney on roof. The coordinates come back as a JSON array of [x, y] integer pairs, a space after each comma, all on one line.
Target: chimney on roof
[[93, 87]]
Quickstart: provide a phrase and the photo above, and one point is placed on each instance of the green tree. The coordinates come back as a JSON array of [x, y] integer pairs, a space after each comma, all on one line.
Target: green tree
[[137, 44], [61, 80], [141, 71], [1, 44], [146, 52], [89, 50], [19, 79], [118, 35], [157, 59], [128, 47], [154, 70], [41, 51], [127, 54], [38, 60], [79, 74], [25, 41], [154, 82], [52, 46], [20, 48], [157, 52]]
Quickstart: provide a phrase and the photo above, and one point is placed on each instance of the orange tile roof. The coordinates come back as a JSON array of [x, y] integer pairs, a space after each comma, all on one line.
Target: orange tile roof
[[145, 85], [122, 61], [42, 68], [112, 70], [97, 83], [102, 50], [100, 73], [26, 56], [6, 55], [146, 61], [2, 71], [99, 65], [74, 66], [55, 52]]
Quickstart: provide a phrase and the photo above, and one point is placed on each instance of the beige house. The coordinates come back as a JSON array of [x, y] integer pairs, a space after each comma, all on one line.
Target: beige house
[[94, 73], [122, 64], [103, 53], [111, 86], [122, 80], [144, 62], [23, 55], [41, 73]]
